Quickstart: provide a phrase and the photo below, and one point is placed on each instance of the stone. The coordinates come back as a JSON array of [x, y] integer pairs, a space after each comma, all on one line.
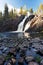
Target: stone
[[41, 62], [0, 52], [36, 40], [9, 64], [2, 59], [5, 49], [41, 51], [20, 61], [29, 58], [36, 24], [33, 63], [13, 60], [12, 50]]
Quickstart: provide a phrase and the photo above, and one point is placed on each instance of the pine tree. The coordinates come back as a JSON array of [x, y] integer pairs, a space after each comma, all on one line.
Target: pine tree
[[6, 13]]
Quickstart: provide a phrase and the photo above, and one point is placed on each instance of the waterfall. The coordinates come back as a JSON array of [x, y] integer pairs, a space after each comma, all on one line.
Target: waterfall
[[20, 26]]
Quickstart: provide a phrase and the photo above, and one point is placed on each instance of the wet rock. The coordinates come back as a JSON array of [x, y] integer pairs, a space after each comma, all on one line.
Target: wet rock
[[13, 51], [41, 62], [4, 54], [42, 42], [13, 60], [36, 40], [9, 64], [5, 49], [41, 51], [33, 63], [0, 52], [1, 40], [35, 50], [20, 61], [22, 52], [2, 59], [2, 47], [17, 49], [29, 58]]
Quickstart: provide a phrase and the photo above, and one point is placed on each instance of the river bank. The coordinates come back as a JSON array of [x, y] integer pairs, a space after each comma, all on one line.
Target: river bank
[[21, 50]]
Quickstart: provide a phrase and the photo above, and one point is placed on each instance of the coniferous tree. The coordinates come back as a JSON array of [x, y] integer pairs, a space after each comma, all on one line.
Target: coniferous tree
[[11, 13], [6, 13], [21, 11], [0, 15], [31, 10]]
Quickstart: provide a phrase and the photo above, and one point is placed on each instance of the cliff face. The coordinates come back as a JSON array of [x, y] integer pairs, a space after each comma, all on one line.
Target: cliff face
[[36, 24]]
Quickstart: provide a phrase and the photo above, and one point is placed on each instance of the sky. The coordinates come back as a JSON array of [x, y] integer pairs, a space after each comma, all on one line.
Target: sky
[[18, 3]]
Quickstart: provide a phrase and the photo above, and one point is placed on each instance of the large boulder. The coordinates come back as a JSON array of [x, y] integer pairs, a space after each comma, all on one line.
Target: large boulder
[[36, 24], [41, 62], [33, 63]]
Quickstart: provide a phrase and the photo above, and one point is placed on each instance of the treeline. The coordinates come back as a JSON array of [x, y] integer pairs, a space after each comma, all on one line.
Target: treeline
[[14, 14], [7, 14], [9, 20]]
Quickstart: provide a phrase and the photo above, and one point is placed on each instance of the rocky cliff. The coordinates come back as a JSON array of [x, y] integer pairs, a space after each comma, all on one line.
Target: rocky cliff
[[36, 24]]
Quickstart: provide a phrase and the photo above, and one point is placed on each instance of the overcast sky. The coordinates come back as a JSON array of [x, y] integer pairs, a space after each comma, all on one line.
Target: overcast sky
[[18, 3]]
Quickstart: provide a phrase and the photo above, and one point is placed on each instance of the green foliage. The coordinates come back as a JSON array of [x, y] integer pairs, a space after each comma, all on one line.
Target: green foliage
[[6, 13], [15, 12], [38, 59], [40, 9], [11, 13], [31, 10], [0, 15], [21, 11], [8, 56]]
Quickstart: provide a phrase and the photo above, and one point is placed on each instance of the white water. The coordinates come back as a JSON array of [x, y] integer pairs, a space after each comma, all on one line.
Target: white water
[[16, 32], [20, 26]]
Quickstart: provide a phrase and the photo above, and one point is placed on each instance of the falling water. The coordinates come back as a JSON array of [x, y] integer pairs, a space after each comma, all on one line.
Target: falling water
[[20, 26]]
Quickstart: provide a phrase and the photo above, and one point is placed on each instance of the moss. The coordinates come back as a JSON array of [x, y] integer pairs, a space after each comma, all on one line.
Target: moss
[[38, 59], [8, 56]]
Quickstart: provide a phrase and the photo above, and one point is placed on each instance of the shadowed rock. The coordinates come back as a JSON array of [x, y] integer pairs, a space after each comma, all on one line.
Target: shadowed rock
[[10, 24]]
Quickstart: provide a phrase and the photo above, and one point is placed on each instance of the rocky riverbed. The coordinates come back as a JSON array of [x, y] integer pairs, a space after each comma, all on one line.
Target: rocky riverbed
[[23, 50]]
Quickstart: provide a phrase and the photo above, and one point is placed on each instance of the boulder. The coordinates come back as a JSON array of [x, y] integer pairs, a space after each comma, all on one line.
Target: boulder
[[2, 59], [41, 62], [12, 51], [33, 63], [13, 60], [36, 24], [20, 61], [29, 58]]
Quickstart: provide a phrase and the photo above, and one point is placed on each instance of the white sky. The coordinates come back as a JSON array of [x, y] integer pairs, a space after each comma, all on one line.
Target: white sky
[[2, 3]]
